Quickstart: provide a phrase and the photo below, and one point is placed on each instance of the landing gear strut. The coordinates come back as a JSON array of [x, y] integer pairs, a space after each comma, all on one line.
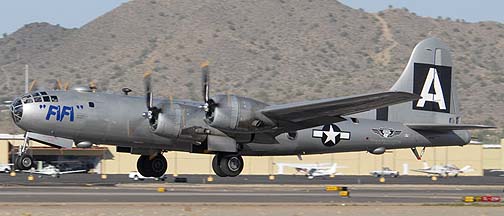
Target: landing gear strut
[[227, 164], [24, 161], [152, 166]]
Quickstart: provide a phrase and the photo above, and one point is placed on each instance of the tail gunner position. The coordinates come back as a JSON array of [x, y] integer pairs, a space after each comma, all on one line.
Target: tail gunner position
[[420, 110]]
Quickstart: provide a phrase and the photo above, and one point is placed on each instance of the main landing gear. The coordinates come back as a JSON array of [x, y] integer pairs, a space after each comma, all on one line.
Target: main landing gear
[[152, 166], [23, 160], [225, 165]]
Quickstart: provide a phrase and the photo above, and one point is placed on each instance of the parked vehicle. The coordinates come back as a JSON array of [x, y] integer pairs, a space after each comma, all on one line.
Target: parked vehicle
[[137, 176], [385, 172]]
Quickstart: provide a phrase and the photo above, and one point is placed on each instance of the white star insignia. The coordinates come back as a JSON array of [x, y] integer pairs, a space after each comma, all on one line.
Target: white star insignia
[[331, 135]]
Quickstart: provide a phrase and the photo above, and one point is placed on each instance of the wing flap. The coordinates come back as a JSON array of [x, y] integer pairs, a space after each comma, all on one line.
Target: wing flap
[[448, 127], [312, 113]]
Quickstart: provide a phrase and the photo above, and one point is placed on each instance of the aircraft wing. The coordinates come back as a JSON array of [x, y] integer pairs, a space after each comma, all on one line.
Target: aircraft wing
[[426, 171], [306, 114], [303, 166], [72, 171]]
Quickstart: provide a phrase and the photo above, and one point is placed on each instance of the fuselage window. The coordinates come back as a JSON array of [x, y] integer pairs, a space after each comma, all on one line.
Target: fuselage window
[[91, 104], [54, 98], [355, 120], [43, 93], [46, 99], [37, 99]]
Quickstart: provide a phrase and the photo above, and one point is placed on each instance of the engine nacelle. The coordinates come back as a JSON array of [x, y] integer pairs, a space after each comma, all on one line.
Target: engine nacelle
[[167, 122], [237, 114]]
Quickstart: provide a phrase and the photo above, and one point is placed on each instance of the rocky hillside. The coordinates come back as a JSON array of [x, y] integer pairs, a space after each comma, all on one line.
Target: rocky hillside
[[277, 51]]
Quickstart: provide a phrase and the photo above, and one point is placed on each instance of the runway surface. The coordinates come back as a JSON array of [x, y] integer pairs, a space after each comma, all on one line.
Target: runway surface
[[176, 193], [83, 179]]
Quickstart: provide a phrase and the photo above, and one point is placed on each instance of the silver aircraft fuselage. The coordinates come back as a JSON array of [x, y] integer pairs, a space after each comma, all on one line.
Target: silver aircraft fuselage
[[103, 118]]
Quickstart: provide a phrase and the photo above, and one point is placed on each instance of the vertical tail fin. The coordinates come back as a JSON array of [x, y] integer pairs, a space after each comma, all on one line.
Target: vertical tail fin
[[425, 165], [333, 168], [466, 169], [428, 74]]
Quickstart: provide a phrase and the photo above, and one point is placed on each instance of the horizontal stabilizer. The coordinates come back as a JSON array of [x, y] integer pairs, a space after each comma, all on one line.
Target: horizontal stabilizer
[[447, 127]]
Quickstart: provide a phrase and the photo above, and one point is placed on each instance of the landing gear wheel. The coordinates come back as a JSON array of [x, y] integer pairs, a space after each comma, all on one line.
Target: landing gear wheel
[[142, 166], [155, 167], [216, 168], [24, 162], [159, 165], [231, 164]]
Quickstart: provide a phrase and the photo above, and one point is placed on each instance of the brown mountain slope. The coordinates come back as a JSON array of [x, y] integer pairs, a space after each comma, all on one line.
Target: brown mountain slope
[[276, 51]]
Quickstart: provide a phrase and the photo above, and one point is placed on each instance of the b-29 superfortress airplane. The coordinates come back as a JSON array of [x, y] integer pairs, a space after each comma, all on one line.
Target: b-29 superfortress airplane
[[420, 110]]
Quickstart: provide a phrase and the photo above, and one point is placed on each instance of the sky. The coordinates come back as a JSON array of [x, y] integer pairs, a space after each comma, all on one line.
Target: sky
[[469, 10], [14, 14], [75, 13]]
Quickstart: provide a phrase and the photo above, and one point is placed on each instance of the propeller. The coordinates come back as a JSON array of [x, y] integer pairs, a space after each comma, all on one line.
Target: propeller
[[61, 86], [92, 86], [152, 111], [209, 105]]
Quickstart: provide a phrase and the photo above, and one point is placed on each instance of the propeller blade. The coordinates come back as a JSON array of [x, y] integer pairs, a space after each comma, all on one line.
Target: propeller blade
[[59, 86], [148, 89], [66, 86], [205, 81], [32, 84]]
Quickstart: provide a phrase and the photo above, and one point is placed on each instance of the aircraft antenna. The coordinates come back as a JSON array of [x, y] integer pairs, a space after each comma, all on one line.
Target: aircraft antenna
[[26, 78]]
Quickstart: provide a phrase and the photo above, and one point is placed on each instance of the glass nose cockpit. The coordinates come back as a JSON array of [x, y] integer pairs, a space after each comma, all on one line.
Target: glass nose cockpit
[[36, 97]]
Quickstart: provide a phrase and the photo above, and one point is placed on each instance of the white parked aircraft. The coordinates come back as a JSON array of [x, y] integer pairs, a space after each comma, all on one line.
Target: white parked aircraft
[[311, 170], [53, 171], [444, 171]]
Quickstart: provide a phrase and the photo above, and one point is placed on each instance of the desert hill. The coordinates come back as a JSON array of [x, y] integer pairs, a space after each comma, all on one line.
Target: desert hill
[[276, 51]]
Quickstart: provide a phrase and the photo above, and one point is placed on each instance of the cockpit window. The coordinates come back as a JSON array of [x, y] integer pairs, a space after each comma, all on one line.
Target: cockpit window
[[43, 93], [46, 99], [37, 99], [27, 100], [36, 94], [54, 98]]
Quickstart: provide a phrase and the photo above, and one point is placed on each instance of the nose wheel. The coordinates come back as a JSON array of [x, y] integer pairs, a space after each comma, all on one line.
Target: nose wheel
[[24, 162], [149, 166], [227, 165]]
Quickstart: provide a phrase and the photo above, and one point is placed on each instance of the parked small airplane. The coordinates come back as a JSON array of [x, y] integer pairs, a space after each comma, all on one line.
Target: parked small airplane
[[420, 110], [53, 171], [444, 170], [311, 170]]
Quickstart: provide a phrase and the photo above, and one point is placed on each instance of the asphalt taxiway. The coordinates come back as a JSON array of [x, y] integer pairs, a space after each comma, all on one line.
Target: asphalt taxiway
[[87, 188]]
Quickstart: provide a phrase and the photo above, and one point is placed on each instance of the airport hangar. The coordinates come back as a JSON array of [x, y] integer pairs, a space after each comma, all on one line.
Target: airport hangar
[[104, 159]]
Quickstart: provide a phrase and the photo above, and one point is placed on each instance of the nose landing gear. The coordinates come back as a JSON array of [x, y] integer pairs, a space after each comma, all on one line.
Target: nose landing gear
[[149, 166], [227, 165], [23, 161]]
